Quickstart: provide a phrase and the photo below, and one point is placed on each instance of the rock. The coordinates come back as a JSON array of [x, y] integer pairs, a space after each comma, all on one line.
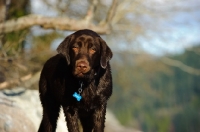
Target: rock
[[28, 101], [13, 118]]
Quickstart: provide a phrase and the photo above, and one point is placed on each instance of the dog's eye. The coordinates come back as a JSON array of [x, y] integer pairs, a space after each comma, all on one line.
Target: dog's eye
[[92, 50], [75, 48]]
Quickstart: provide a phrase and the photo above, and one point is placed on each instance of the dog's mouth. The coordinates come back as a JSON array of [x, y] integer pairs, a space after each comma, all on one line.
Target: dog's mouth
[[80, 74]]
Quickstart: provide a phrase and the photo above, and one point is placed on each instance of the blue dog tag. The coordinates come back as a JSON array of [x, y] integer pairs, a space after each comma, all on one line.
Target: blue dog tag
[[77, 96]]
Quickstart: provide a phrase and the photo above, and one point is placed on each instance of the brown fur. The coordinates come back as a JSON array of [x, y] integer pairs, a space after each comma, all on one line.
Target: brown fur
[[83, 58]]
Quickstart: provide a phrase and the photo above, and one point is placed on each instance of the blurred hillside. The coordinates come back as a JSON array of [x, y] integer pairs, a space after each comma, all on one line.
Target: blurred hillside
[[156, 66], [152, 96]]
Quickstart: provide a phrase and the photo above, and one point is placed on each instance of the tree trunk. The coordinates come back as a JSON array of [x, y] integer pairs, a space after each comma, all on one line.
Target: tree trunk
[[2, 18]]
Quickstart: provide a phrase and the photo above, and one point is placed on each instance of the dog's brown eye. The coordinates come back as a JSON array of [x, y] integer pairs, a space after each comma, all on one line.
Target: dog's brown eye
[[92, 50], [75, 48]]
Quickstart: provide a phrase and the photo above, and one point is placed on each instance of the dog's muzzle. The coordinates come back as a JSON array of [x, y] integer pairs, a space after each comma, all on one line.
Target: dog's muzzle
[[81, 68]]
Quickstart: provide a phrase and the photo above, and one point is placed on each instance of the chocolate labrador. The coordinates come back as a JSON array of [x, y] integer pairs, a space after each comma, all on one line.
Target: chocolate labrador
[[79, 79]]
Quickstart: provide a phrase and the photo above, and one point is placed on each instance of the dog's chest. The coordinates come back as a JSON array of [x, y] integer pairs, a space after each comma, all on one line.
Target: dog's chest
[[88, 97]]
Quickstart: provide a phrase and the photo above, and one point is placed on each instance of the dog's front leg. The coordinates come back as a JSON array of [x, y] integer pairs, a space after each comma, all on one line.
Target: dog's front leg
[[71, 117], [99, 118]]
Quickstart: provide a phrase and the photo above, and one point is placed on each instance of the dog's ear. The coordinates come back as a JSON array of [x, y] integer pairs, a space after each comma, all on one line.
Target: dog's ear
[[106, 53], [63, 48]]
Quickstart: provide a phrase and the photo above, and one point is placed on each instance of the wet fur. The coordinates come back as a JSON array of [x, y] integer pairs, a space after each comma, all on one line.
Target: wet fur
[[58, 82]]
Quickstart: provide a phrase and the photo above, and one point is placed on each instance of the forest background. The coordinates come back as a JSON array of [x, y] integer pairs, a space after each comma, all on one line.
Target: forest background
[[156, 46]]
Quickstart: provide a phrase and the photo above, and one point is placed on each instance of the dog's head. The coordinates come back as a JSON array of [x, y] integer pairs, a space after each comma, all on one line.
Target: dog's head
[[85, 50]]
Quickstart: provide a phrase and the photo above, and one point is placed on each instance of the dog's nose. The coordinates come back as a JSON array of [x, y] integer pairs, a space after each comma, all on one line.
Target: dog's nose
[[82, 66]]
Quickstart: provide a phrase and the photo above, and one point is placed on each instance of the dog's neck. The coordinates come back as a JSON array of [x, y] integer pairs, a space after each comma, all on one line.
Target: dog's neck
[[95, 75]]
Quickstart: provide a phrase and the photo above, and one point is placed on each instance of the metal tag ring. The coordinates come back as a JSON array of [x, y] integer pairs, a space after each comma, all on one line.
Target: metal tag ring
[[80, 90]]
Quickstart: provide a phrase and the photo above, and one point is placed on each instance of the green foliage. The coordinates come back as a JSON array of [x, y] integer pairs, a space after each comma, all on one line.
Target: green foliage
[[13, 43], [158, 97], [18, 9], [188, 120]]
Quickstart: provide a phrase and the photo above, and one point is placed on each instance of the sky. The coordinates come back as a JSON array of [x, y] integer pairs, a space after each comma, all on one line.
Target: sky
[[179, 31]]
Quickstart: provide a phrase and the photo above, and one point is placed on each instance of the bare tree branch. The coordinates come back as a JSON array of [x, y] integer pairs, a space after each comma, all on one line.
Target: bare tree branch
[[26, 81], [61, 23], [91, 10], [15, 81], [33, 80], [195, 50], [111, 13], [180, 65]]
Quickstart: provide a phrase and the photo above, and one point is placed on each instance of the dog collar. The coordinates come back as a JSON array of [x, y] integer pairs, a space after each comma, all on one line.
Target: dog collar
[[78, 95]]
